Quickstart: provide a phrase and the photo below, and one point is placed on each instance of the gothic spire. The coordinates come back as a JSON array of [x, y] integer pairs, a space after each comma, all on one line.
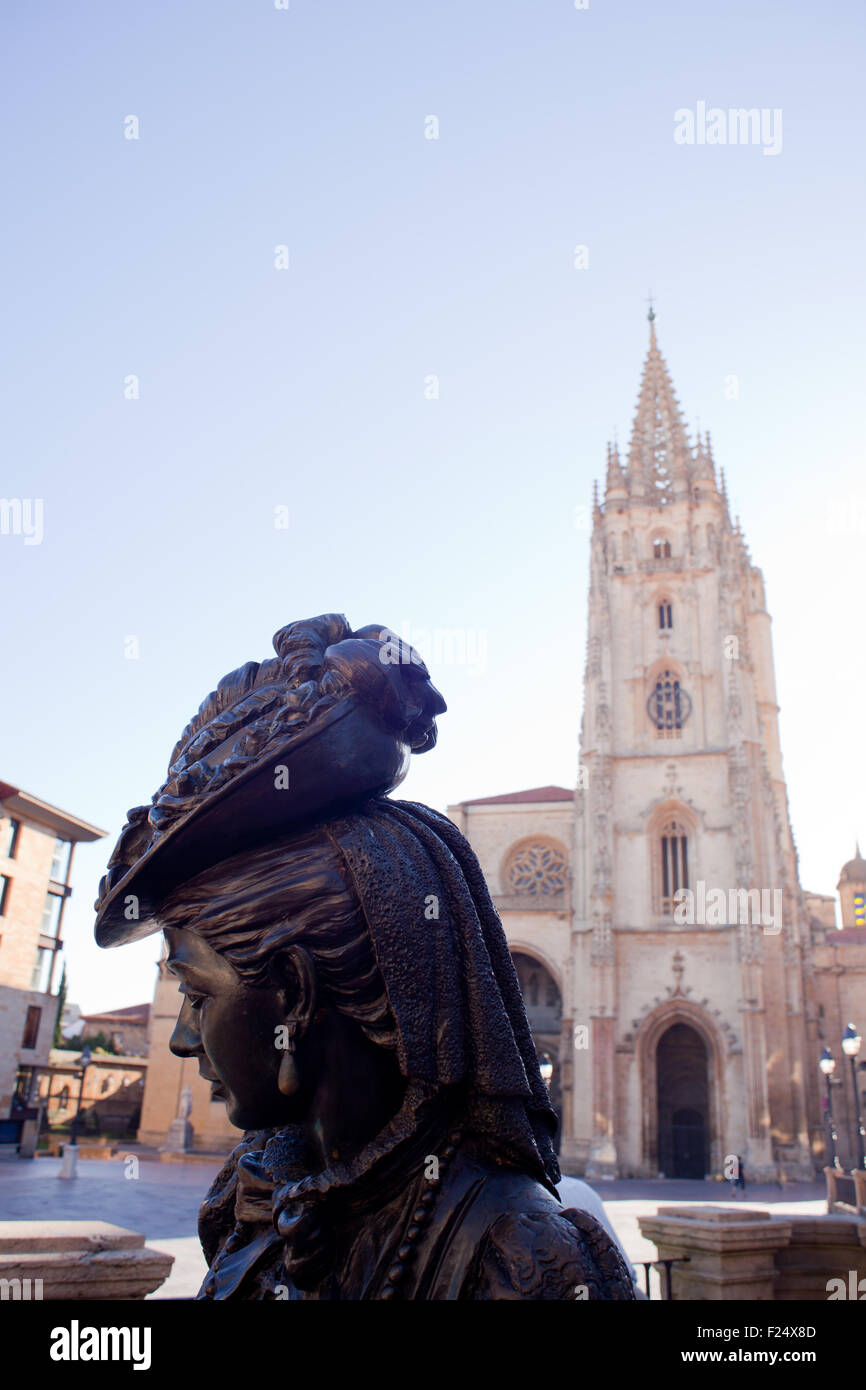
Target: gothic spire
[[659, 455], [615, 479]]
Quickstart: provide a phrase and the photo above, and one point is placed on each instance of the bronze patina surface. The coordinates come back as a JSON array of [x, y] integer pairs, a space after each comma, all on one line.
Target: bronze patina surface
[[347, 988]]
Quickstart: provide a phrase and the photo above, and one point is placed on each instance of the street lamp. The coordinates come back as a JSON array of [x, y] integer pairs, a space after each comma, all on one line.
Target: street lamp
[[851, 1041], [84, 1063], [546, 1069], [827, 1064]]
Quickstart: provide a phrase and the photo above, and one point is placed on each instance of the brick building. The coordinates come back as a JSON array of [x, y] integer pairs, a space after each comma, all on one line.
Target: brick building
[[37, 843]]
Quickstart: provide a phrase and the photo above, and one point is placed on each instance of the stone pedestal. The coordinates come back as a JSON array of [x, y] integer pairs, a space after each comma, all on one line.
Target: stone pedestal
[[822, 1248], [848, 1196], [77, 1260], [69, 1166], [752, 1255], [731, 1253], [179, 1139], [29, 1136]]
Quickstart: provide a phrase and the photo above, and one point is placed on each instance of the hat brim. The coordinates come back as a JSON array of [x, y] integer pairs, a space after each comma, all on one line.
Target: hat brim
[[347, 756]]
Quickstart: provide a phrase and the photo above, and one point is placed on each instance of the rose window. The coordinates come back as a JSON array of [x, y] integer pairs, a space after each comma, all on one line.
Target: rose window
[[538, 870]]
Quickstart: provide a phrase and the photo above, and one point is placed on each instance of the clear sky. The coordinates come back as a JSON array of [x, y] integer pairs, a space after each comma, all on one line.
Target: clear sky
[[307, 387]]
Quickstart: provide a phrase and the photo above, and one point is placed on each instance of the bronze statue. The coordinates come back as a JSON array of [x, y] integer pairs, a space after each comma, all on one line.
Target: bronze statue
[[349, 992]]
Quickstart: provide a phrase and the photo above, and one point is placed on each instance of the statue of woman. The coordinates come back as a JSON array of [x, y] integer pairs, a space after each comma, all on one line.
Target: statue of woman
[[347, 989]]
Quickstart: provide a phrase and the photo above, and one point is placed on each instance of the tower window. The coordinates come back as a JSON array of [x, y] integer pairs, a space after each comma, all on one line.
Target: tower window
[[666, 618], [661, 548], [674, 864], [668, 706]]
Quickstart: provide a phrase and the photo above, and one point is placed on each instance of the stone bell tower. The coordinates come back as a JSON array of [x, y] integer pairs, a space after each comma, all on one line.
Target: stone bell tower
[[689, 939]]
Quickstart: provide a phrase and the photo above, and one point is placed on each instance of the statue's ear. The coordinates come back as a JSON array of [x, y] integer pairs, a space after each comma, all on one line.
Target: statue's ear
[[295, 974]]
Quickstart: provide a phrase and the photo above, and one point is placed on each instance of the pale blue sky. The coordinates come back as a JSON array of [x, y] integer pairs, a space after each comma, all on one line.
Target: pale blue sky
[[305, 387]]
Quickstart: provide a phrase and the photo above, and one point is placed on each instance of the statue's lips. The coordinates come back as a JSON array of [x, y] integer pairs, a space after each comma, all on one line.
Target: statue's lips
[[217, 1090]]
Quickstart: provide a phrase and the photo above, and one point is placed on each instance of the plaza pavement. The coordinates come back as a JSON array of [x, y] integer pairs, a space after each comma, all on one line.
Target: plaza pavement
[[162, 1203]]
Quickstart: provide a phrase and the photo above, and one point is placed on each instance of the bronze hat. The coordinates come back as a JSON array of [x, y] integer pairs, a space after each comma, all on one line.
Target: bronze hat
[[329, 722]]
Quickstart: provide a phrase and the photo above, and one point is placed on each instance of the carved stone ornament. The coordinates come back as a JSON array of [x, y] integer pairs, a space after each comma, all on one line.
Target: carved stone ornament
[[348, 992]]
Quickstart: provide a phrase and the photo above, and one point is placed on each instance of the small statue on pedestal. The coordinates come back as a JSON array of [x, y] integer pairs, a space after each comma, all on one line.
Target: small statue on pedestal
[[180, 1137]]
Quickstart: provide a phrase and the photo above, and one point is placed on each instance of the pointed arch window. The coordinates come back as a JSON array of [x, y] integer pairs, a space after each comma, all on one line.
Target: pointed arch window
[[666, 615], [661, 548], [673, 863]]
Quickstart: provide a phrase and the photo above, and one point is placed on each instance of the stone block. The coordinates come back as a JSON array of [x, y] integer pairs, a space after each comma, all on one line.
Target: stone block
[[730, 1252], [79, 1260]]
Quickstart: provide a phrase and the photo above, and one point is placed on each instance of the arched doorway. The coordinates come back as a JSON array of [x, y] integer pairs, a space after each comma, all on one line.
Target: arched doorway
[[543, 1003], [683, 1103]]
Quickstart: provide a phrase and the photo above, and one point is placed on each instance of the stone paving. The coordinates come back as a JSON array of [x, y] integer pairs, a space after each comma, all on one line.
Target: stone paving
[[162, 1203]]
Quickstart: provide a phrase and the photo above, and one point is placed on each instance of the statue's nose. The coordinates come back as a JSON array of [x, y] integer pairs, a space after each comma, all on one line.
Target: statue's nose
[[186, 1039]]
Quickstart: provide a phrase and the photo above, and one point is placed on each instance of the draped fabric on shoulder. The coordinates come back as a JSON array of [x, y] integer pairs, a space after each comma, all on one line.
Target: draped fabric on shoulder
[[448, 973]]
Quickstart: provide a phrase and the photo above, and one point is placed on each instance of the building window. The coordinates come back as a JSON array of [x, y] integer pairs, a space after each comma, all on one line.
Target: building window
[[537, 869], [51, 914], [860, 909], [60, 861], [674, 864], [666, 615], [41, 977], [31, 1026], [5, 886], [106, 1085], [9, 841], [661, 548], [668, 706]]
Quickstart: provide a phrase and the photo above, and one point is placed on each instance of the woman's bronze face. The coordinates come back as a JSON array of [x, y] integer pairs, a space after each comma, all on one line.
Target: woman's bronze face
[[233, 1030]]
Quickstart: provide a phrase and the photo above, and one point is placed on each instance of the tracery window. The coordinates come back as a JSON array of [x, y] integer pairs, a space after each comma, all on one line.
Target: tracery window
[[666, 615], [673, 851], [668, 706], [661, 548], [537, 869]]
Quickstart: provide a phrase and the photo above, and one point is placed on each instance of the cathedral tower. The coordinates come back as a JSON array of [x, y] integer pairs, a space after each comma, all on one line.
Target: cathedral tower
[[690, 948]]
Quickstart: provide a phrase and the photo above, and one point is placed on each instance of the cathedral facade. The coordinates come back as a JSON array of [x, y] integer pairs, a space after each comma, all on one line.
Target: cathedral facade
[[680, 983]]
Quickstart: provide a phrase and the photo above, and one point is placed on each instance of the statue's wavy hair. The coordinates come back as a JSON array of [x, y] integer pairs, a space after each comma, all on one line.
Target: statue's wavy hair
[[294, 891]]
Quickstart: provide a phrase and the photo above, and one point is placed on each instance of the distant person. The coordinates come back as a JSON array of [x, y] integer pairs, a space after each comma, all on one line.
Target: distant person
[[740, 1180]]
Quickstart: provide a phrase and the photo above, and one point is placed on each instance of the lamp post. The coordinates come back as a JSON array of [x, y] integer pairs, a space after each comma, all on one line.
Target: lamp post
[[851, 1041], [84, 1063], [827, 1064], [70, 1151]]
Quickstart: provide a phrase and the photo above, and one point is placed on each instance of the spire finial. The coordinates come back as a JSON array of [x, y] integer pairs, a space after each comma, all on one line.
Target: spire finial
[[651, 315]]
